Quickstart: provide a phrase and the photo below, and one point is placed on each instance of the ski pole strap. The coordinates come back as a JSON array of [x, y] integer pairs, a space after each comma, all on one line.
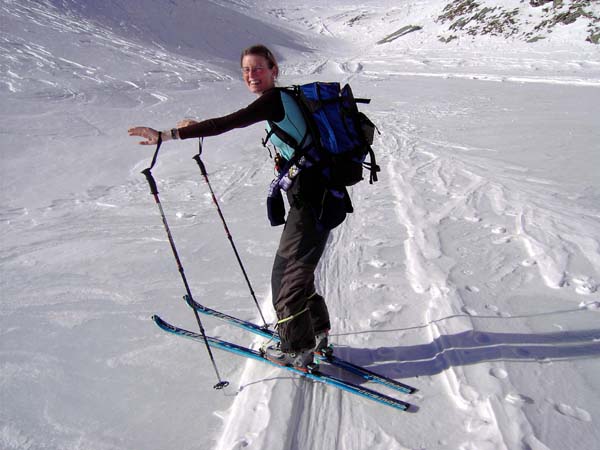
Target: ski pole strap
[[372, 167], [148, 172], [158, 144], [199, 161], [292, 317]]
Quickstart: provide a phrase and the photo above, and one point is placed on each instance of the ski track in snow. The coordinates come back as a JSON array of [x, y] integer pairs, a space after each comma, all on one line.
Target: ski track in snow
[[439, 175], [422, 249]]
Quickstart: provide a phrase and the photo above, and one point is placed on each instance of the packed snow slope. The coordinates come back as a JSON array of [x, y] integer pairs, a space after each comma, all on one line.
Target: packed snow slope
[[470, 270]]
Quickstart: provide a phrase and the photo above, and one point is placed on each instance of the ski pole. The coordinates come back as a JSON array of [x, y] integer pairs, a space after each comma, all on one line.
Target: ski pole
[[202, 167], [154, 191]]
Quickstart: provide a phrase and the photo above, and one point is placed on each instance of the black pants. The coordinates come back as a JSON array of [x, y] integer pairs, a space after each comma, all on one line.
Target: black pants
[[293, 278]]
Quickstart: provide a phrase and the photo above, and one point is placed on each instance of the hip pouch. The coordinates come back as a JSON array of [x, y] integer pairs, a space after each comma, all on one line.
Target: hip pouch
[[275, 205]]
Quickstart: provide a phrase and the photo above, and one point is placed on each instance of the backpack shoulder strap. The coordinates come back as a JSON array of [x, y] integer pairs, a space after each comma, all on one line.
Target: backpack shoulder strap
[[280, 132]]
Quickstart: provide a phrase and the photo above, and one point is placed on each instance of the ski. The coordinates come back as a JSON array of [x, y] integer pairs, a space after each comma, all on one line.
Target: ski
[[360, 371], [314, 375]]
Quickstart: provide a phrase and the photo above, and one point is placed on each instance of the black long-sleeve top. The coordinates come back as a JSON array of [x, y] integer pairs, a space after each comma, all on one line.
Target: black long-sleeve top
[[266, 107], [269, 106]]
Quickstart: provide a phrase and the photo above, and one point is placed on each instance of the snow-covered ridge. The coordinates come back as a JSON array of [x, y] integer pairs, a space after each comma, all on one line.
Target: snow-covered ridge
[[446, 21], [531, 21]]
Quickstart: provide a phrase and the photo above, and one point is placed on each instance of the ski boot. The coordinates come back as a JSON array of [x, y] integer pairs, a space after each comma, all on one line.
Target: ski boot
[[302, 360], [322, 346]]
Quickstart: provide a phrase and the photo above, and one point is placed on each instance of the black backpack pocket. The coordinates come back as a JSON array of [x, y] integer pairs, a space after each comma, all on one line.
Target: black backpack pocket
[[348, 170]]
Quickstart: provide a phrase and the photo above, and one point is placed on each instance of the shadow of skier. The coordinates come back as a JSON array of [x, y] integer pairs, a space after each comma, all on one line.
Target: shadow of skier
[[473, 347]]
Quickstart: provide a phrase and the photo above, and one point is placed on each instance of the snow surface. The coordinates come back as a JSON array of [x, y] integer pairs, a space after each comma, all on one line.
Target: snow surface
[[471, 270]]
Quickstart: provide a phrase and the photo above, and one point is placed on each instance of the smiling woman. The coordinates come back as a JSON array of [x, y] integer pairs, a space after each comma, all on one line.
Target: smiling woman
[[259, 68], [303, 317]]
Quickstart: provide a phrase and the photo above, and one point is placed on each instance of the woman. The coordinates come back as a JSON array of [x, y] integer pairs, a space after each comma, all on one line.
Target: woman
[[303, 319]]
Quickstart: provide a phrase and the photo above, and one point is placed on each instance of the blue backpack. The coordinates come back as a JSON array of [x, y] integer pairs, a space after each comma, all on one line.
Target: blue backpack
[[340, 135], [337, 142]]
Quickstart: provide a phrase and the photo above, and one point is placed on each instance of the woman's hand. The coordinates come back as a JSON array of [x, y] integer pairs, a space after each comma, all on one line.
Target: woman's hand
[[186, 123], [150, 134]]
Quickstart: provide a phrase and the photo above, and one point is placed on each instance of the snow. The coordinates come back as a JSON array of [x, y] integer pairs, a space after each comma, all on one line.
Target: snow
[[471, 270]]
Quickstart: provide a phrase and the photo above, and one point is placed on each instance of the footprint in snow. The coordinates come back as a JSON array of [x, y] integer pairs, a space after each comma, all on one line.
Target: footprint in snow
[[469, 311], [498, 373], [518, 399], [395, 307], [584, 285], [497, 311], [379, 317], [528, 262], [378, 264], [184, 215], [492, 308], [502, 240], [591, 306], [380, 314], [574, 412]]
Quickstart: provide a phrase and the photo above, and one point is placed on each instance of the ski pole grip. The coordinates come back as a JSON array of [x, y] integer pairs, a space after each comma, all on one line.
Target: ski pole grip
[[151, 182], [200, 164]]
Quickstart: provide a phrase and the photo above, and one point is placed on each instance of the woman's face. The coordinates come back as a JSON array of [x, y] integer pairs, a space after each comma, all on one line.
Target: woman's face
[[257, 74]]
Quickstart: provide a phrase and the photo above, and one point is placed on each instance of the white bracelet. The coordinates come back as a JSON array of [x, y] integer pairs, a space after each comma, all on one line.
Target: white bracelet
[[168, 135]]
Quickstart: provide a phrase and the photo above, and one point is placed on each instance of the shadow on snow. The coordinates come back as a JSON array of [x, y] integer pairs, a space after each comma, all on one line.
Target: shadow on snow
[[473, 347]]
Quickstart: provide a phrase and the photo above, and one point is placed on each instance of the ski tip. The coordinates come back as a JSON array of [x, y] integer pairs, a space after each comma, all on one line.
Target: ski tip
[[160, 322]]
